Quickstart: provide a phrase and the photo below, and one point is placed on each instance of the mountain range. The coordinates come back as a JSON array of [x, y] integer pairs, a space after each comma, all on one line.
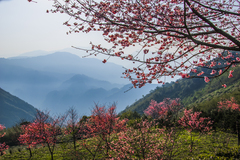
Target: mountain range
[[61, 80], [83, 93], [57, 81]]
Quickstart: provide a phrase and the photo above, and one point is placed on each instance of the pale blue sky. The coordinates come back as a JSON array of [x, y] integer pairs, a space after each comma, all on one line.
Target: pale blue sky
[[27, 27]]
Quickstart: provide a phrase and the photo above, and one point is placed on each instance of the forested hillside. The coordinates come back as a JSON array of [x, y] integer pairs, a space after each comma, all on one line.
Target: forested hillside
[[13, 109], [191, 91]]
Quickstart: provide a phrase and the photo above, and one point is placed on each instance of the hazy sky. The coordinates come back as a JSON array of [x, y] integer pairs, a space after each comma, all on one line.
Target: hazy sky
[[27, 27]]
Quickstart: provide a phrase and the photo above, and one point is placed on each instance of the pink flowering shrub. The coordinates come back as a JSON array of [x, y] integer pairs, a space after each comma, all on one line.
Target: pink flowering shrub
[[3, 146]]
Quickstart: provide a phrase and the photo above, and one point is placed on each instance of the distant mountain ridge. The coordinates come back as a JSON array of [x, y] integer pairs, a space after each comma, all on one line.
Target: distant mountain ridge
[[67, 63], [82, 92], [61, 80], [32, 78], [13, 109], [82, 81]]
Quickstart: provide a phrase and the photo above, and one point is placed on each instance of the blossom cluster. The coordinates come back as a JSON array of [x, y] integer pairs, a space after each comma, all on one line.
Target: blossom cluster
[[3, 146], [193, 121]]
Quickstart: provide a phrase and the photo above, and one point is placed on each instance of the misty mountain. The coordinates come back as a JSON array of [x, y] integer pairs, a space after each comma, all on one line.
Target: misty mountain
[[32, 78], [13, 109], [28, 84], [127, 95], [83, 92], [61, 80], [83, 82], [67, 63]]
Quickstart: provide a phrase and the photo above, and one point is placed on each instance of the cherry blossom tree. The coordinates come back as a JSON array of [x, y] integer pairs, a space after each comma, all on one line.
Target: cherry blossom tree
[[3, 146], [166, 112], [156, 110], [30, 136], [229, 110], [233, 107], [139, 143], [144, 141], [229, 104], [102, 126], [50, 129], [193, 122], [175, 36], [44, 130]]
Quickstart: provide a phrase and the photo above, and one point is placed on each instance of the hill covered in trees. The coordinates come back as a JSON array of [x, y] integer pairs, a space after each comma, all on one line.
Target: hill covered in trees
[[13, 109], [192, 92]]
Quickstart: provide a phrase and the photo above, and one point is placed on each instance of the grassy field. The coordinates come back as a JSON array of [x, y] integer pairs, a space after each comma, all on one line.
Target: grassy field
[[214, 145]]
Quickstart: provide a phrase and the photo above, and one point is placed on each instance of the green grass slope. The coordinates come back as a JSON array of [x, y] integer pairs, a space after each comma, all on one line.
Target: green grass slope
[[217, 145]]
